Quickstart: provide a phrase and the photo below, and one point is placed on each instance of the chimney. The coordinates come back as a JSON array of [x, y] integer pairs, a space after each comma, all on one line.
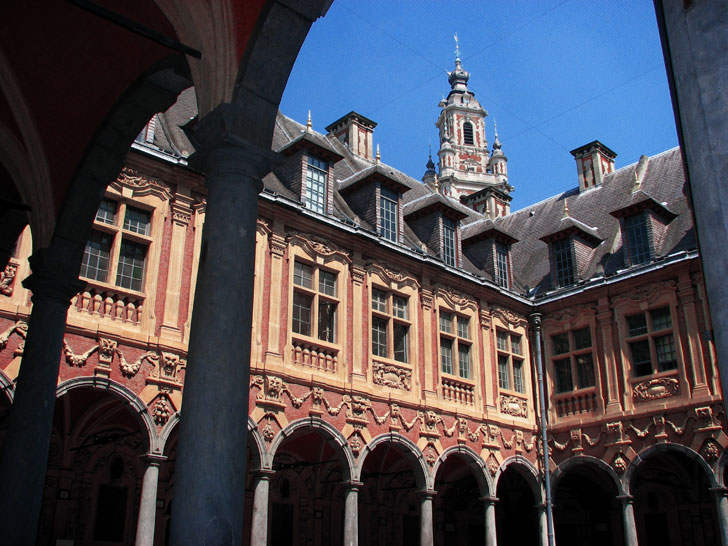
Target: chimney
[[593, 162], [356, 132]]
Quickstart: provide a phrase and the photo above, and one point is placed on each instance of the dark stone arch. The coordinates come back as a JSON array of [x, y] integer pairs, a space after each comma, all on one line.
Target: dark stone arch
[[517, 512]]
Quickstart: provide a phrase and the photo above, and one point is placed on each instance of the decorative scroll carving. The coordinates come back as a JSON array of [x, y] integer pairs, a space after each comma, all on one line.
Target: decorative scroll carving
[[318, 247], [392, 376], [142, 184], [512, 405], [455, 299], [77, 360], [568, 313], [426, 299], [400, 277], [654, 389], [508, 316], [644, 292], [6, 279]]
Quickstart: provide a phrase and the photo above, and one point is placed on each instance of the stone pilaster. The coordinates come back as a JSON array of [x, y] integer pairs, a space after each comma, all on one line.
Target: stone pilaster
[[351, 515], [426, 521], [148, 503], [259, 530], [630, 529], [491, 536]]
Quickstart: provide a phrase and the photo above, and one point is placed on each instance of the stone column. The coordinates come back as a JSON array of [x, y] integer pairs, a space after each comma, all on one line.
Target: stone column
[[209, 484], [721, 508], [351, 515], [543, 526], [630, 529], [24, 453], [426, 531], [259, 530], [491, 536], [148, 504]]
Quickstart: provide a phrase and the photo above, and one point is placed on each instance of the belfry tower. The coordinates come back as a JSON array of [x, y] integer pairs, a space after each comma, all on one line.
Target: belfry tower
[[469, 170]]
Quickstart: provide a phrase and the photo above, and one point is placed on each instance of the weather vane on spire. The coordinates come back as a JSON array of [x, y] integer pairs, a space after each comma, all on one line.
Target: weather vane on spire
[[457, 48]]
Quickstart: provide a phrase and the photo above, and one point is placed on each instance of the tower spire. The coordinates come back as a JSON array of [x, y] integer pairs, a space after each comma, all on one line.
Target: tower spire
[[457, 48]]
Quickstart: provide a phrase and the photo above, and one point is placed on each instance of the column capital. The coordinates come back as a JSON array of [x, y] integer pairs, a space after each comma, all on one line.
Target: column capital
[[352, 485], [53, 277], [153, 458], [625, 499], [426, 494], [263, 473], [489, 499], [719, 491], [535, 319]]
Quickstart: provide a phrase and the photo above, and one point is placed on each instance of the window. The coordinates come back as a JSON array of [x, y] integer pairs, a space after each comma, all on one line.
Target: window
[[314, 302], [118, 246], [468, 133], [637, 239], [563, 262], [651, 342], [455, 344], [390, 325], [388, 200], [316, 176], [502, 276], [448, 242], [573, 358], [510, 361]]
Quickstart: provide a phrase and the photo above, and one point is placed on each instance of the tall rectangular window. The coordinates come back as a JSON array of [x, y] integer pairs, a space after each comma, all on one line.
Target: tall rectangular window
[[315, 302], [638, 242], [388, 200], [575, 360], [95, 263], [502, 276], [316, 177], [510, 361], [132, 257], [455, 344], [390, 325], [563, 262], [651, 342], [449, 254]]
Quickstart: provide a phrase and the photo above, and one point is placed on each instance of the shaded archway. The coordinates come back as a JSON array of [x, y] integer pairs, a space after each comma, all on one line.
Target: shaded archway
[[459, 511], [673, 504], [516, 511], [586, 509]]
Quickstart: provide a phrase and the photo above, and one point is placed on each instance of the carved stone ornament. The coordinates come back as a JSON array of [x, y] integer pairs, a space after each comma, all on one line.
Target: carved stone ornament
[[107, 348], [430, 455], [277, 244], [512, 405], [710, 451], [162, 411], [318, 246], [393, 276], [493, 465], [142, 184], [426, 298], [706, 418], [392, 376], [356, 444], [130, 369], [268, 433], [646, 291], [654, 389], [455, 299], [6, 279], [620, 464]]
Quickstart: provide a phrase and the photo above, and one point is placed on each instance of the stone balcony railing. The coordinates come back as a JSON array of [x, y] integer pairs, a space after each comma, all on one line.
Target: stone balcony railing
[[314, 355], [574, 403], [109, 302], [458, 391]]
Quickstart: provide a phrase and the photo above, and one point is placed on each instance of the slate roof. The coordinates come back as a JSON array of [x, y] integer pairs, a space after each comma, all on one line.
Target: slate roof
[[661, 187]]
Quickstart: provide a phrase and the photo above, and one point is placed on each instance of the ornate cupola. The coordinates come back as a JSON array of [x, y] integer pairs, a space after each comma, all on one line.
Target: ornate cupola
[[466, 164], [498, 161], [430, 174]]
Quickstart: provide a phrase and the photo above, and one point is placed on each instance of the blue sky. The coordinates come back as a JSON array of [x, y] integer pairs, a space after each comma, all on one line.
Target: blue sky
[[553, 74]]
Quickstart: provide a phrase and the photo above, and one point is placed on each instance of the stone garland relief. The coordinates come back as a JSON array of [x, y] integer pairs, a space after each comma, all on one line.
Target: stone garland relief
[[21, 328], [273, 392], [6, 279], [654, 389]]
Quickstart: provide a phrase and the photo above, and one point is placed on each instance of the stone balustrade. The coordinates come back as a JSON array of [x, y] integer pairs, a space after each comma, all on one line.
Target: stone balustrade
[[458, 391], [314, 355]]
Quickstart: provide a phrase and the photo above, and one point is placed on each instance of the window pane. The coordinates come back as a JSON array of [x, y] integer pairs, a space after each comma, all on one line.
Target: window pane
[[95, 263], [446, 355], [327, 283], [446, 322], [661, 318], [316, 176], [301, 314], [641, 360], [501, 263], [564, 263], [585, 370], [516, 344], [302, 275], [448, 241], [582, 338], [463, 327], [327, 321], [637, 324], [666, 355], [468, 133], [564, 382], [638, 241], [379, 300], [560, 343], [106, 212], [504, 381], [379, 336], [399, 307], [388, 200], [400, 342], [464, 360], [502, 340], [518, 375], [130, 272], [137, 220]]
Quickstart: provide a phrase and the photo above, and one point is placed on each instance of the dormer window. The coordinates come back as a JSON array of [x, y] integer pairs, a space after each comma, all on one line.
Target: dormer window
[[388, 213], [316, 178], [563, 262], [502, 263], [468, 134], [638, 241], [449, 253]]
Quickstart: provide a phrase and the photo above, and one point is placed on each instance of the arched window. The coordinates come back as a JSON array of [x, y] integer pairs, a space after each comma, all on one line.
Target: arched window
[[468, 133]]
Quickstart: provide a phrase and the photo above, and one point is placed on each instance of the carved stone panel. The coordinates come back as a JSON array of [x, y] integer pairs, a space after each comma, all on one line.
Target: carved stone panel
[[654, 389]]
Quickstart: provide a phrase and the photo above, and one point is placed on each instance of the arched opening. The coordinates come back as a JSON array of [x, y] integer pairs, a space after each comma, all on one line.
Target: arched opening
[[95, 469], [672, 501], [459, 514], [586, 509], [388, 502], [516, 514], [306, 492]]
